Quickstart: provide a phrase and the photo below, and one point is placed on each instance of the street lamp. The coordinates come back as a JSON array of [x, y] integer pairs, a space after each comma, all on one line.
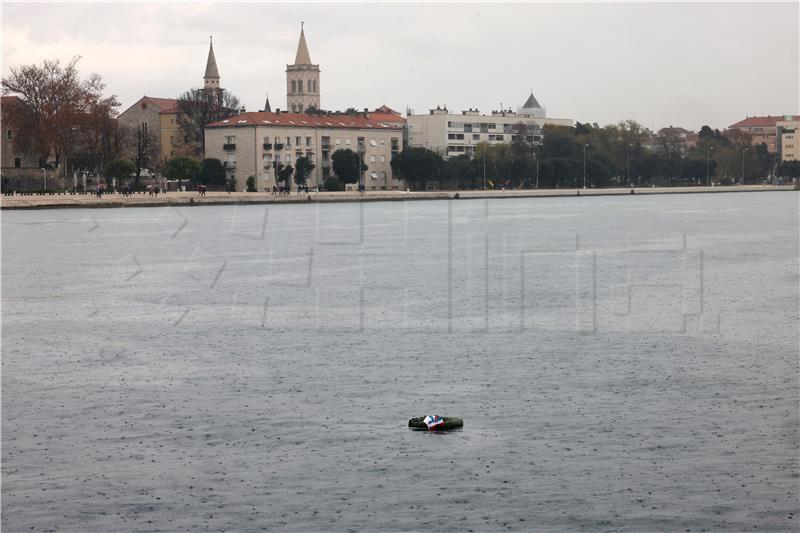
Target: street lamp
[[708, 166], [585, 146], [484, 167], [629, 163], [537, 167], [743, 151]]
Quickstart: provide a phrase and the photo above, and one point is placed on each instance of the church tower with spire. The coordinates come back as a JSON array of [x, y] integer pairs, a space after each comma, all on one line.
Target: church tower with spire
[[302, 80], [211, 77]]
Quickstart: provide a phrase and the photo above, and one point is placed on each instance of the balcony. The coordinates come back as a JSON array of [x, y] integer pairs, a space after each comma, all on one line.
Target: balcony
[[230, 164], [278, 146], [267, 146], [326, 147], [229, 147]]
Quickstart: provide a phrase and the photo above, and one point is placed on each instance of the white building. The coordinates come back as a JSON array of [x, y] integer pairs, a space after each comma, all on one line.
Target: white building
[[452, 134], [789, 138], [248, 144]]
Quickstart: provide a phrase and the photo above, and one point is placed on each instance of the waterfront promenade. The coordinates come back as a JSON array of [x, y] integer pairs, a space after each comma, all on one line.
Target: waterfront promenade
[[34, 201]]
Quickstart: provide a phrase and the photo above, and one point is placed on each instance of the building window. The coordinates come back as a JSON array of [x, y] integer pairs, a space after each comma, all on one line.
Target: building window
[[347, 141], [476, 137], [297, 141], [230, 139], [338, 141], [308, 141], [288, 141], [383, 159], [372, 159], [172, 122], [294, 88], [300, 86], [9, 134], [172, 140], [17, 162], [383, 142]]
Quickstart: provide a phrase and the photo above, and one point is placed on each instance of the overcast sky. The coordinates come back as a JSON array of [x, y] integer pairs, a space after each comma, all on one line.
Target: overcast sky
[[658, 63]]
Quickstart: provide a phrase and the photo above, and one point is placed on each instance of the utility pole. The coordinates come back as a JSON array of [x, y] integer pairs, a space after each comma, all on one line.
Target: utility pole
[[629, 163], [743, 151], [484, 167], [708, 166], [585, 146]]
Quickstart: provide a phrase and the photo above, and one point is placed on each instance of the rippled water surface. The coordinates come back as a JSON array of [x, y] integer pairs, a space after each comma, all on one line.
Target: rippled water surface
[[621, 364]]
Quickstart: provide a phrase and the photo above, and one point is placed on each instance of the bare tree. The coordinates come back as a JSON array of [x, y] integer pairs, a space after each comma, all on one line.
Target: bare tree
[[143, 149], [56, 102], [199, 107], [97, 138]]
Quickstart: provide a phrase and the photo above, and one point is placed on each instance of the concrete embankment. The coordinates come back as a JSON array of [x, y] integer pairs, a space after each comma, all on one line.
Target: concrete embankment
[[46, 201]]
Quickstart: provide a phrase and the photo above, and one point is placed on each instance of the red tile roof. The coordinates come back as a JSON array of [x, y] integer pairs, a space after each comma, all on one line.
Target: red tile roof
[[162, 103], [387, 117], [305, 120], [386, 109], [753, 122]]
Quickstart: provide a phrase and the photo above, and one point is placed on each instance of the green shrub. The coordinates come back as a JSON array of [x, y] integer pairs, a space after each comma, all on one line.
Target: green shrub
[[334, 184]]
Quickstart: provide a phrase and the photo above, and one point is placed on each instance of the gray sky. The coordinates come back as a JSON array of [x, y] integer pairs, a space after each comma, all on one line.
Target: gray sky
[[660, 64]]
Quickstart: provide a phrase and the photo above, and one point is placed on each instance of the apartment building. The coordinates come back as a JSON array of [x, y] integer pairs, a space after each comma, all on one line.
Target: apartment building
[[452, 134], [761, 130], [252, 143], [788, 132]]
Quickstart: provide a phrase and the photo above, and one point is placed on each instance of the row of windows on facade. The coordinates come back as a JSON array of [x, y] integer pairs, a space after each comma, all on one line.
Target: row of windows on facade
[[310, 155], [231, 140], [289, 158], [484, 127], [297, 86], [492, 137]]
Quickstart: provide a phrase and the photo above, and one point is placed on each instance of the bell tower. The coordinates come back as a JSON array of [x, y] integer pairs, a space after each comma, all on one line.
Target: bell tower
[[211, 77], [302, 79]]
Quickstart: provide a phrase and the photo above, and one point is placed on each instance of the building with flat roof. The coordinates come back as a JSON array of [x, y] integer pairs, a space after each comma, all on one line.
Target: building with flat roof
[[249, 144], [452, 134], [788, 132]]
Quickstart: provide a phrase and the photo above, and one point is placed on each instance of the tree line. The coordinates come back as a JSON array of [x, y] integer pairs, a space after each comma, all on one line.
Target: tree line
[[70, 124], [624, 154]]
